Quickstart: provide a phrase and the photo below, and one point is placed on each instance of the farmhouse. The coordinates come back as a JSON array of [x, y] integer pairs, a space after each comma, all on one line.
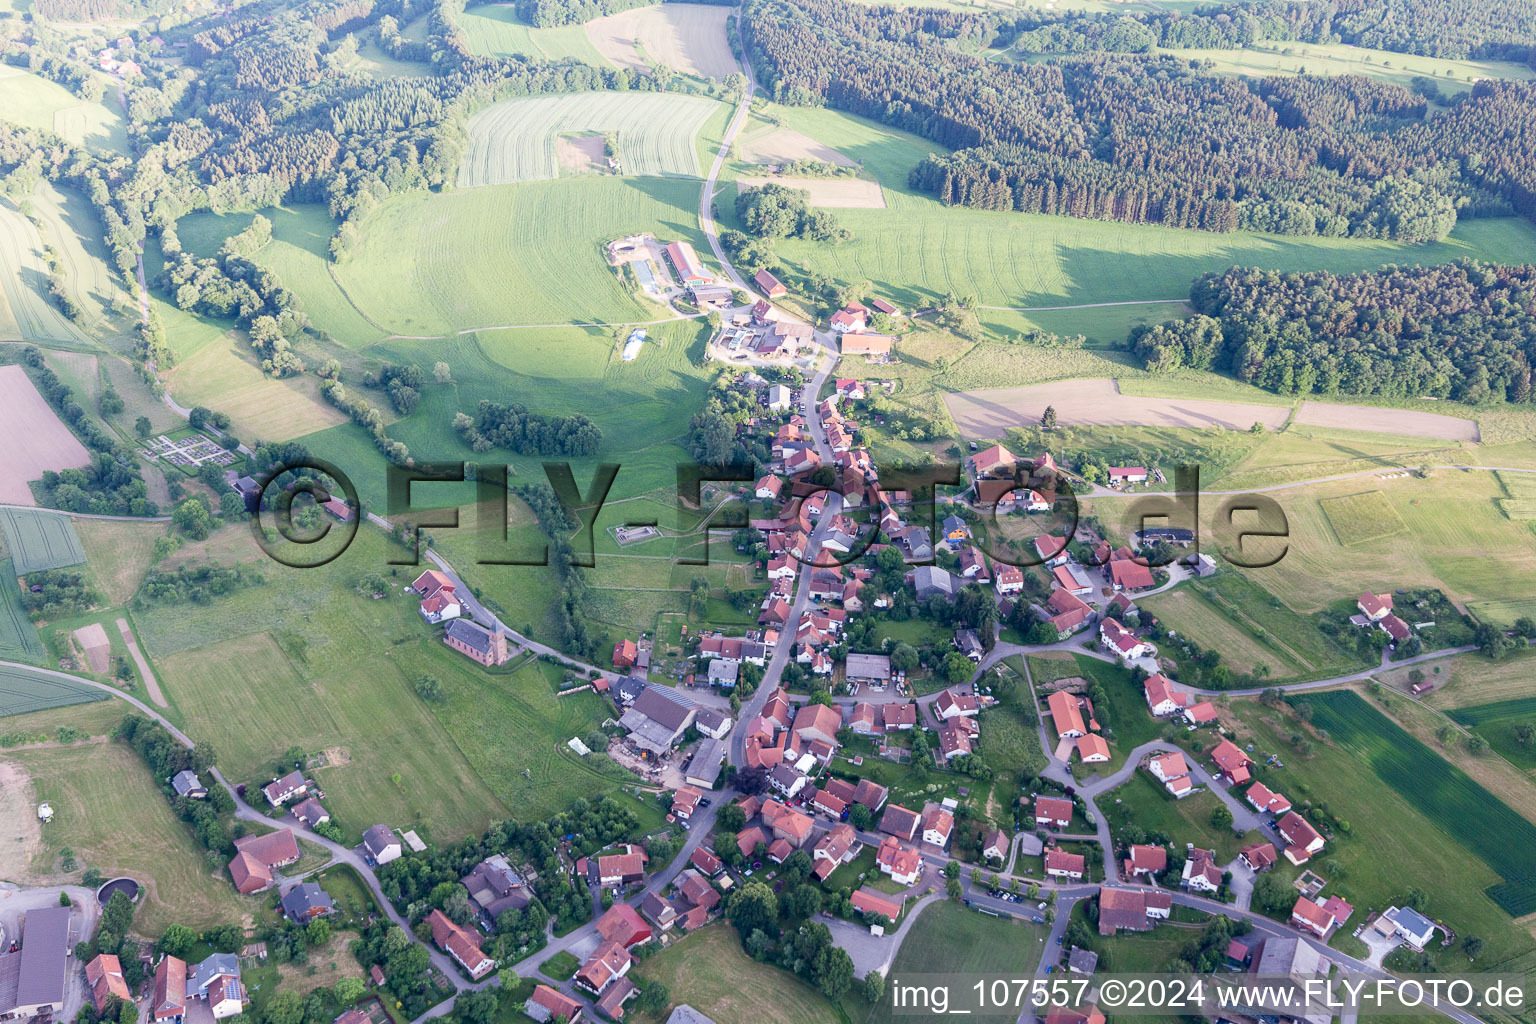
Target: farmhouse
[[546, 1004], [1065, 715], [1127, 475], [1075, 583], [169, 999], [952, 704], [625, 868], [1131, 910], [1009, 579], [1231, 763], [1406, 923], [994, 462], [1129, 574], [1374, 607], [902, 863], [1201, 873], [769, 284], [1053, 811], [1301, 839], [866, 343], [937, 824], [1067, 612], [475, 641], [104, 976], [430, 582], [900, 822], [1061, 864], [257, 856], [461, 944]]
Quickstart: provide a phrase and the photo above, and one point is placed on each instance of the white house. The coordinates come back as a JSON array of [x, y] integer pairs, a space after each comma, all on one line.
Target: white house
[[381, 844], [779, 398]]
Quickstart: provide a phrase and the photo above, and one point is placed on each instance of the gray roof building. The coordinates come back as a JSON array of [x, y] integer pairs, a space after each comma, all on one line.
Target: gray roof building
[[685, 1014], [930, 579], [44, 955], [186, 784], [210, 969], [1082, 961], [471, 635], [307, 900], [704, 769], [874, 667], [723, 672], [658, 718], [628, 689]]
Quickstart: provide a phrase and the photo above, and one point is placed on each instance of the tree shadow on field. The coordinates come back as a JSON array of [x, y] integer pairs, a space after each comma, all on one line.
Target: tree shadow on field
[[681, 203]]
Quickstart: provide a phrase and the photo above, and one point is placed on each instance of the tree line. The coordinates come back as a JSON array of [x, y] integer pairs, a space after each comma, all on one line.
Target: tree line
[[1464, 331], [1153, 138]]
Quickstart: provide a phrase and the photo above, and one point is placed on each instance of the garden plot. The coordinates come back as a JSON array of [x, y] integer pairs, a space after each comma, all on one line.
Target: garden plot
[[517, 140]]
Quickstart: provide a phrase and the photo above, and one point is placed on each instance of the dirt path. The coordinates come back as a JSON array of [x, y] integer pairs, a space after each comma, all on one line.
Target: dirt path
[[151, 685]]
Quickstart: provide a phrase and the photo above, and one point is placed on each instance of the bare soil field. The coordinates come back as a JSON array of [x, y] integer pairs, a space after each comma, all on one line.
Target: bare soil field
[[1387, 421], [1097, 402], [689, 38], [93, 640], [845, 193], [784, 146], [579, 154], [50, 445]]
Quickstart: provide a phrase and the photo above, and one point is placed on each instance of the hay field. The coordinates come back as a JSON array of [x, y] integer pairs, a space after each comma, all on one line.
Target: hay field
[[1357, 518], [119, 553], [1191, 615], [35, 102], [489, 257], [495, 30], [24, 280], [40, 540], [223, 374], [784, 146], [830, 193], [1097, 402], [689, 38], [514, 140], [1387, 421], [50, 445], [1454, 537]]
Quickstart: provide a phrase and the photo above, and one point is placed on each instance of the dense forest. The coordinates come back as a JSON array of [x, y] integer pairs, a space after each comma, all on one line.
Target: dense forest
[[1153, 138], [1465, 331]]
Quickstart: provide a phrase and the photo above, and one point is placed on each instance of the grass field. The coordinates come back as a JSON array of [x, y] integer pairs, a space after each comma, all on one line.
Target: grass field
[[688, 38], [708, 971], [40, 540], [1232, 614], [119, 553], [1496, 723], [299, 253], [1469, 681], [35, 102], [76, 232], [1485, 825], [514, 140], [110, 812], [1357, 518], [18, 637], [916, 250], [480, 258], [1143, 804], [1271, 57], [950, 939], [1456, 538], [319, 667], [495, 31]]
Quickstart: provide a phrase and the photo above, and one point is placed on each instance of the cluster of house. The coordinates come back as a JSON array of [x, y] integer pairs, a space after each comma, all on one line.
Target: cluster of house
[[1376, 612], [1072, 717], [210, 987], [854, 336], [115, 59], [1166, 700], [440, 602], [494, 887], [765, 333]]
